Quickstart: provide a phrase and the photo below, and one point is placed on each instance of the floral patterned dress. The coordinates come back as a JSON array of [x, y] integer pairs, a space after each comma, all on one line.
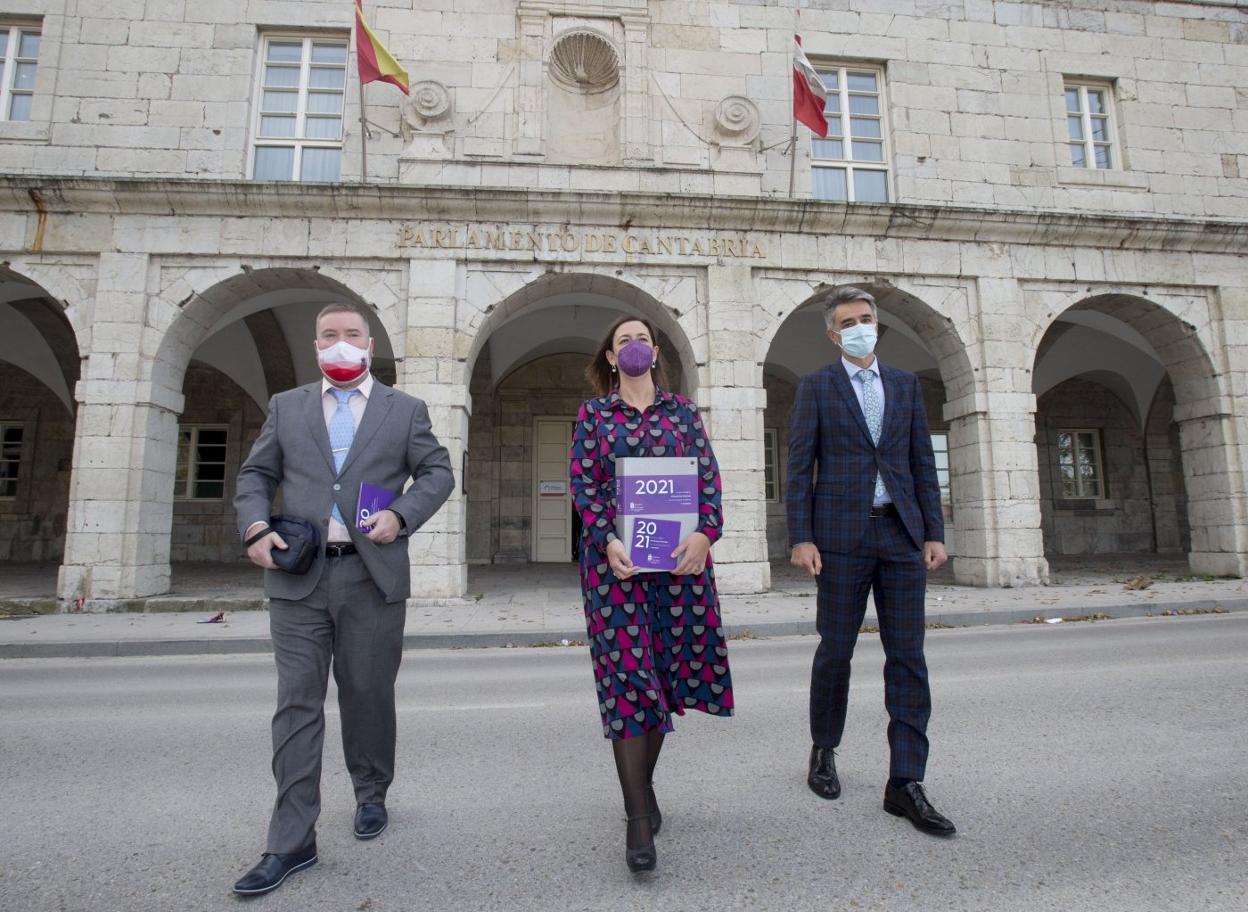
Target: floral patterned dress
[[655, 639]]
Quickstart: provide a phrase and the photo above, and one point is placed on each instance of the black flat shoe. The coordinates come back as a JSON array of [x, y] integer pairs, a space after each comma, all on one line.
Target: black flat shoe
[[371, 820], [652, 805], [642, 858], [822, 777], [273, 869], [911, 802]]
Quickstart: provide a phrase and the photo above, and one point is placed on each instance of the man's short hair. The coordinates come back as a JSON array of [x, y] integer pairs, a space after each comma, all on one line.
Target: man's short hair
[[847, 295], [345, 307]]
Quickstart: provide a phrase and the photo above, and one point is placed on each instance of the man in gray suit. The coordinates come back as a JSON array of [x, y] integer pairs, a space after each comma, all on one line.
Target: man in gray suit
[[320, 442]]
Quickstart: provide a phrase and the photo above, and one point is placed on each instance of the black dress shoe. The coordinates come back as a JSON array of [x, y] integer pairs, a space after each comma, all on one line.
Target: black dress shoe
[[910, 801], [273, 869], [370, 820], [822, 777]]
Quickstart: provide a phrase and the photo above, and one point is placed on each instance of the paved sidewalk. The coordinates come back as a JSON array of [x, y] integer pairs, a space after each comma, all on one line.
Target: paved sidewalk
[[540, 604]]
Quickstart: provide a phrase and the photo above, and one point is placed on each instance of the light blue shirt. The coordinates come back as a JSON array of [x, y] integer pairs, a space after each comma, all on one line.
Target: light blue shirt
[[852, 370]]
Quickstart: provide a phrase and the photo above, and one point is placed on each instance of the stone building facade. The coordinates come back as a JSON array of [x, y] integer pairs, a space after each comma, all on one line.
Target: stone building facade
[[1047, 198]]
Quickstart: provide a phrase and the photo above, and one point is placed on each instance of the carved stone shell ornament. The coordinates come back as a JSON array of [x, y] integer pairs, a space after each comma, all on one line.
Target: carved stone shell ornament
[[737, 117], [429, 100], [583, 61]]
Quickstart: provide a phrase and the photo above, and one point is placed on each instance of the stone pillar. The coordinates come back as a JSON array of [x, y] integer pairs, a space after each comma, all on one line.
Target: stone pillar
[[1216, 502], [635, 97], [734, 404], [530, 90], [429, 370], [125, 452], [993, 466], [996, 490]]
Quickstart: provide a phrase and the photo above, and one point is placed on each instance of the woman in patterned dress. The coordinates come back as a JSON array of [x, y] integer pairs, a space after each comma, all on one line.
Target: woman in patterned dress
[[655, 638]]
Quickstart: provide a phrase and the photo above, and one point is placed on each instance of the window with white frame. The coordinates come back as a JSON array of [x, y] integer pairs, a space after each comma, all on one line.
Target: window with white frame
[[10, 459], [300, 90], [1079, 465], [20, 46], [851, 164], [200, 473], [1089, 125], [771, 466]]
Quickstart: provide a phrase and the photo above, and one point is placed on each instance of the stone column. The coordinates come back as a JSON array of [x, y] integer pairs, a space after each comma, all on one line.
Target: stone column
[[125, 452], [635, 97], [734, 405], [530, 91], [429, 370], [1216, 502], [993, 467]]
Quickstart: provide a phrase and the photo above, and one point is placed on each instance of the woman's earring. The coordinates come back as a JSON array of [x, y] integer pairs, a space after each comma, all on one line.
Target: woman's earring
[[613, 368]]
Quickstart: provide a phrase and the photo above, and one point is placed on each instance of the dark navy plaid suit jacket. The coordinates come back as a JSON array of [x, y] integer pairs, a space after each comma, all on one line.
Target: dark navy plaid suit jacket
[[829, 430]]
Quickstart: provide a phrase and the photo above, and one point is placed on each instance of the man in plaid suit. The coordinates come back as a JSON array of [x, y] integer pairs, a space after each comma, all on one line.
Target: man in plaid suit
[[871, 520]]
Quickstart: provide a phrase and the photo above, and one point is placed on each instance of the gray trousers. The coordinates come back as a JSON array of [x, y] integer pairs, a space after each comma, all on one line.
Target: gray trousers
[[346, 624]]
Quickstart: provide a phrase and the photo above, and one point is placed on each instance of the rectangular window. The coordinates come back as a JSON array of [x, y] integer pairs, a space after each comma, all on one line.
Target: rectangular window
[[10, 459], [20, 46], [771, 468], [200, 473], [940, 449], [300, 91], [1079, 464], [851, 164], [1089, 126]]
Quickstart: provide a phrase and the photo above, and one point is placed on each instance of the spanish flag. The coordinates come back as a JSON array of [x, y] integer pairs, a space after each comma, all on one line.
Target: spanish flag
[[376, 63]]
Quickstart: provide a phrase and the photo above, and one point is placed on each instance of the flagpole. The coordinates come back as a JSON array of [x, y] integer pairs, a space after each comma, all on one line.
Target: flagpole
[[359, 77], [363, 138], [792, 153]]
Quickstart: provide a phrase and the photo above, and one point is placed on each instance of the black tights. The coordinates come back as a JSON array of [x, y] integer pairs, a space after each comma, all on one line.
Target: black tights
[[635, 759]]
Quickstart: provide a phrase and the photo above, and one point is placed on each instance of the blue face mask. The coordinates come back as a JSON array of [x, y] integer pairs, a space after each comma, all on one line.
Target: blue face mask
[[858, 340]]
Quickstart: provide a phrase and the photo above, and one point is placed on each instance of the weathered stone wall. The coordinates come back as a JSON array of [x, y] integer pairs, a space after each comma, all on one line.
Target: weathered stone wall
[[974, 89], [32, 525]]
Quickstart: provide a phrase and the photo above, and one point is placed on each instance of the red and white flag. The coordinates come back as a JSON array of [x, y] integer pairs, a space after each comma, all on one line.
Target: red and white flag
[[809, 94]]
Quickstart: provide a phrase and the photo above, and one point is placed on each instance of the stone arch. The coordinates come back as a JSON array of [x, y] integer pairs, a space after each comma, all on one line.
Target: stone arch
[[522, 367], [1176, 329], [915, 336], [40, 365], [671, 302], [67, 287]]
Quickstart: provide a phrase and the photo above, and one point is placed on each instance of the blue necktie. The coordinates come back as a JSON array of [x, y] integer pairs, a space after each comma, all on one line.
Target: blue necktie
[[341, 433], [875, 423]]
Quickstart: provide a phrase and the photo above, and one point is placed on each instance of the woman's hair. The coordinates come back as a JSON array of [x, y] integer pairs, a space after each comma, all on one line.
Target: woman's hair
[[599, 373]]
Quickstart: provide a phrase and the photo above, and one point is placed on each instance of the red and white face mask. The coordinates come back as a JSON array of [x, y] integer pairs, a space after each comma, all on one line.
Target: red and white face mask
[[342, 362]]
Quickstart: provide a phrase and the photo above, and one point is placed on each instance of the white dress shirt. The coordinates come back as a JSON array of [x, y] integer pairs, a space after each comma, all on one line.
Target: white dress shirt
[[852, 369], [329, 404]]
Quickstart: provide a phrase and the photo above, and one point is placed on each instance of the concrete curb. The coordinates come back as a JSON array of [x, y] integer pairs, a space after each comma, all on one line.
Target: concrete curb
[[484, 640]]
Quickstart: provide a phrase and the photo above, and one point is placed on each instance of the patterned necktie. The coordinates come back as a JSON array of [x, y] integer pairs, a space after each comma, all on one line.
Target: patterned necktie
[[341, 433], [875, 422]]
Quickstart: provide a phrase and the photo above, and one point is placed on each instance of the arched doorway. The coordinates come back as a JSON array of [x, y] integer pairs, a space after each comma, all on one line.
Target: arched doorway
[[39, 368], [200, 402], [527, 381], [912, 337], [1130, 460]]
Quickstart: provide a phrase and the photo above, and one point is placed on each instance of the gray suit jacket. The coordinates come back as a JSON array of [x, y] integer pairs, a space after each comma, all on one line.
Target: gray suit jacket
[[393, 442]]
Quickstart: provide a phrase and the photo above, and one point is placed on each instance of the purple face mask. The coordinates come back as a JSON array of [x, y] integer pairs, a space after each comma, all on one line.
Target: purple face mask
[[635, 358]]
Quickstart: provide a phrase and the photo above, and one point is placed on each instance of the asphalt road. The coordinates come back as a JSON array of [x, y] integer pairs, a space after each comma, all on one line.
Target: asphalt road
[[1088, 767]]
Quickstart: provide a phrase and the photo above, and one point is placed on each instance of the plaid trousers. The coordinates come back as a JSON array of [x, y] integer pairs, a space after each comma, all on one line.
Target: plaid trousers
[[887, 562]]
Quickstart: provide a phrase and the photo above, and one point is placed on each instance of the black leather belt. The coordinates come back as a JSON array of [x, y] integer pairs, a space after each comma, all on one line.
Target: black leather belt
[[883, 510], [339, 549]]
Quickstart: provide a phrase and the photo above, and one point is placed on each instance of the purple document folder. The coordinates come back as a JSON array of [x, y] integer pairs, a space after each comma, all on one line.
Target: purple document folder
[[372, 500], [656, 507]]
